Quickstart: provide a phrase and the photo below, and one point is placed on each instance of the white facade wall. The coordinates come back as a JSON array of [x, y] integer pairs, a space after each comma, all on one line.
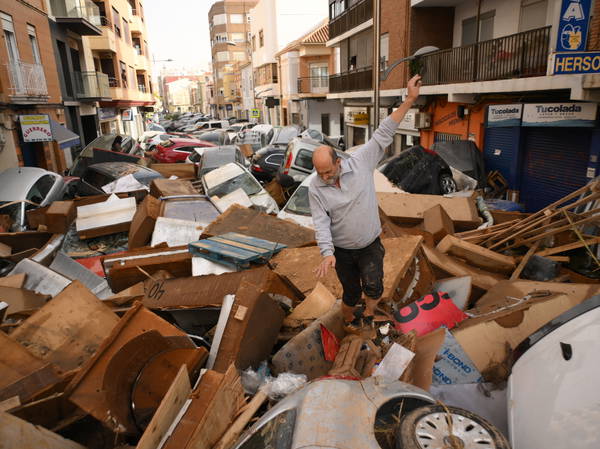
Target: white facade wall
[[315, 110], [290, 68], [506, 20], [296, 18]]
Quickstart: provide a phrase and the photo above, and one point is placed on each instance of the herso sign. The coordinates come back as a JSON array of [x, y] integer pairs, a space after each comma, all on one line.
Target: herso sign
[[576, 63], [36, 128]]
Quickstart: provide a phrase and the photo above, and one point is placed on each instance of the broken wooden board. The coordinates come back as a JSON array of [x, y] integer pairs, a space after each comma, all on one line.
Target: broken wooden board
[[21, 300], [297, 265], [184, 292], [251, 330], [54, 412], [499, 325], [16, 433], [13, 281], [317, 303], [214, 406], [437, 222], [162, 187], [476, 255], [68, 329], [123, 270], [448, 264], [143, 222], [185, 171], [254, 223], [109, 217], [87, 387], [23, 374], [168, 410], [410, 208]]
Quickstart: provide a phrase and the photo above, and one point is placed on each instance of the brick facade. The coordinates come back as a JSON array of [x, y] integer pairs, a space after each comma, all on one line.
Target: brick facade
[[594, 32]]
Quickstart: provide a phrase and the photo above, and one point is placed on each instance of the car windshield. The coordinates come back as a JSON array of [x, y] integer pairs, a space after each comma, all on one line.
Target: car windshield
[[16, 211], [298, 203], [244, 181], [284, 135], [235, 128]]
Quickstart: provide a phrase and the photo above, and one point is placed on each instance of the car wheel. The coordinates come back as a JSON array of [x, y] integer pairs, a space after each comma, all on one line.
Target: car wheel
[[427, 427], [447, 184]]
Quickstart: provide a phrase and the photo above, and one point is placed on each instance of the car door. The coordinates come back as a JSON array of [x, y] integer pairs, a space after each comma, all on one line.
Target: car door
[[180, 154]]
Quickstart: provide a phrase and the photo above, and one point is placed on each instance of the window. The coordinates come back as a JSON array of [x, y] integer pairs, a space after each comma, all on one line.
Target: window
[[117, 22], [220, 38], [236, 18], [222, 56], [11, 40], [123, 68], [533, 14], [385, 50], [219, 19], [336, 7], [237, 37], [248, 18], [261, 38], [35, 49], [126, 31], [304, 159], [253, 43], [486, 28], [238, 56]]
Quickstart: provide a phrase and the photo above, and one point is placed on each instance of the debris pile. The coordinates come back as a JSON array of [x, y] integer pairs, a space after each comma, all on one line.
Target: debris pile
[[155, 321]]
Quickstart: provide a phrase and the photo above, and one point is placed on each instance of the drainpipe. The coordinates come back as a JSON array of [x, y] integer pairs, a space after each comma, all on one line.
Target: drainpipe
[[376, 59], [281, 120], [476, 49]]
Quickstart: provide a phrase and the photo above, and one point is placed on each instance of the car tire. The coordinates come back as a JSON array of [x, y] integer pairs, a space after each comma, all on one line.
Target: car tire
[[447, 184], [427, 427]]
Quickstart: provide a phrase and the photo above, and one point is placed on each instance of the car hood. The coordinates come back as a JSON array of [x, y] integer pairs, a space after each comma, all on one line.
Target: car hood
[[302, 220], [265, 202]]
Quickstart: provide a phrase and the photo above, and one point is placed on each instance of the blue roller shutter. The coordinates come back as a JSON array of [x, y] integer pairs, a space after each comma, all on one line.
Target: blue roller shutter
[[555, 162], [501, 152]]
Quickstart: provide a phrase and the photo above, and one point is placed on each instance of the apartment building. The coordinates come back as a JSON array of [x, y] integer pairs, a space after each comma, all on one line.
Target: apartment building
[[122, 53], [29, 86], [274, 24], [305, 65], [80, 84], [247, 85], [229, 36]]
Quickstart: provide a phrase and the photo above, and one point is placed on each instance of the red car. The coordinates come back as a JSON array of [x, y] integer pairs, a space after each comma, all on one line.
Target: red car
[[177, 150]]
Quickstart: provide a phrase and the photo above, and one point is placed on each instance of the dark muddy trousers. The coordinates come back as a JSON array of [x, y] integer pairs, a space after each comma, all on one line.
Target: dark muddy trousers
[[360, 270]]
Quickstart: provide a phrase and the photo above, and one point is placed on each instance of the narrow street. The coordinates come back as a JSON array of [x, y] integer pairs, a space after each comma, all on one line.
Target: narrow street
[[265, 224]]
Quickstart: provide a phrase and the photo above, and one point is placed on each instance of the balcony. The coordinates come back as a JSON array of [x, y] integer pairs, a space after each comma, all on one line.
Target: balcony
[[107, 41], [519, 55], [79, 16], [352, 81], [92, 86], [137, 24], [27, 82], [315, 85], [351, 18]]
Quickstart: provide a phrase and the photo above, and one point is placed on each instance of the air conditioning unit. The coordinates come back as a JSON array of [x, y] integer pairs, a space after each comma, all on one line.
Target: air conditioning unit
[[422, 120]]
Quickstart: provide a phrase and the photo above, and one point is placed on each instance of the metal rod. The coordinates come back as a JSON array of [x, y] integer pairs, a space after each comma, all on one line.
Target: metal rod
[[376, 62]]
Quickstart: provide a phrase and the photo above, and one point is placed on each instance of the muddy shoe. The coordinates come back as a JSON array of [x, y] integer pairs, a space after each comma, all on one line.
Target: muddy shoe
[[368, 321], [353, 327]]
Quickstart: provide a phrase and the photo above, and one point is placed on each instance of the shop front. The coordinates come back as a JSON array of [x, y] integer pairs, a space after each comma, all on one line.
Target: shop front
[[544, 150], [357, 125]]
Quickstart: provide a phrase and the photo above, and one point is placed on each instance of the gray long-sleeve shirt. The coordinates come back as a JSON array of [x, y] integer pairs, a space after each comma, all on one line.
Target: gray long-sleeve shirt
[[348, 216]]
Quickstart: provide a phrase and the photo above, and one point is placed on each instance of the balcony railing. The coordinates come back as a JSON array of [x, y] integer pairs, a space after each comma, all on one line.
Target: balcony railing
[[105, 22], [142, 88], [113, 81], [27, 80], [359, 79], [92, 85], [351, 18], [76, 9], [516, 56], [313, 85]]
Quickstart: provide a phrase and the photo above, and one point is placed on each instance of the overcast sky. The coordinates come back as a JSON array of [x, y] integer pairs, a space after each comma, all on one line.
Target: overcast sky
[[178, 29]]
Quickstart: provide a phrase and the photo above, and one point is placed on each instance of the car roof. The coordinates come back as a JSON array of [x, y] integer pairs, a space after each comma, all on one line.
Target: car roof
[[222, 174], [16, 182], [183, 140]]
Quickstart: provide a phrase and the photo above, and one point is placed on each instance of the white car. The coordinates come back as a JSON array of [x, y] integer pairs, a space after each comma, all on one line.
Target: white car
[[297, 209], [233, 176]]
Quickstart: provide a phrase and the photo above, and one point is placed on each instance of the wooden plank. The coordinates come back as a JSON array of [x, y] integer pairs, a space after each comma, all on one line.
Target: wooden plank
[[13, 281], [242, 421], [68, 329], [253, 223], [449, 264], [569, 247], [517, 273], [16, 433], [168, 409], [477, 255], [253, 241]]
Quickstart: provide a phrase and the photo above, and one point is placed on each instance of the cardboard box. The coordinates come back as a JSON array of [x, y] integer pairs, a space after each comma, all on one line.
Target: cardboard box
[[185, 171], [170, 187]]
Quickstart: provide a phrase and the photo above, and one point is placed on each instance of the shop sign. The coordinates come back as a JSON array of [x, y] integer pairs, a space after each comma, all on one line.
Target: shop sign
[[107, 113], [560, 114], [356, 116], [573, 25], [36, 128], [126, 115], [577, 63], [504, 115]]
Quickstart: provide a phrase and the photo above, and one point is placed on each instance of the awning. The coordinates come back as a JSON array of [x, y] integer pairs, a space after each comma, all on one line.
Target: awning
[[63, 136]]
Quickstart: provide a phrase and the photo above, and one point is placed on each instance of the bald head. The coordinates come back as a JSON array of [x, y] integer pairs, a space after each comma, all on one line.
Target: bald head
[[326, 163]]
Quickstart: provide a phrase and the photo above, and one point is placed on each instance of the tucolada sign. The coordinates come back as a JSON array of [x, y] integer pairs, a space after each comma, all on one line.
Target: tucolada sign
[[560, 114], [504, 115]]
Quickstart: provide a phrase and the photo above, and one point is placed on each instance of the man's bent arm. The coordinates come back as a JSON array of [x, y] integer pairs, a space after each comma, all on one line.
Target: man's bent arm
[[322, 224]]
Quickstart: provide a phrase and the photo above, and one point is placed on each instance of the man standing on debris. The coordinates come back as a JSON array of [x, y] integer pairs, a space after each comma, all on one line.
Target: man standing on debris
[[346, 216]]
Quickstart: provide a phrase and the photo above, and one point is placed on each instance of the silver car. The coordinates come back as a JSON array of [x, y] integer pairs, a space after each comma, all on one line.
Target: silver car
[[25, 188], [333, 413]]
